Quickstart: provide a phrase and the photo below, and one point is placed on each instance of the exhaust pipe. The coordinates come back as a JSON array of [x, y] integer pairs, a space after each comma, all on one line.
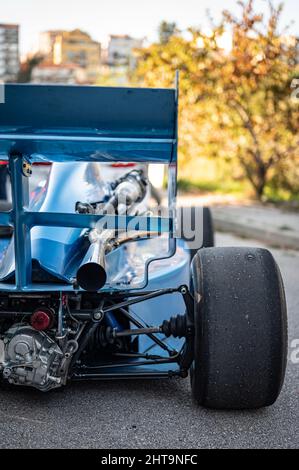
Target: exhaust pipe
[[91, 275], [129, 190]]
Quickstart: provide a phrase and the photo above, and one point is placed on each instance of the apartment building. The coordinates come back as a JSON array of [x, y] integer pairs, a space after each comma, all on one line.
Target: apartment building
[[9, 52], [72, 47], [121, 50]]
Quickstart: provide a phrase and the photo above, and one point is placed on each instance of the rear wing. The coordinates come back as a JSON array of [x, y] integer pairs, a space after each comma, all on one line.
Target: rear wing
[[60, 123], [54, 123]]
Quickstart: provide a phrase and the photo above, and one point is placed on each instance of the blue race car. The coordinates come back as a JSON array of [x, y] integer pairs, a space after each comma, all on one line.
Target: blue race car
[[97, 282]]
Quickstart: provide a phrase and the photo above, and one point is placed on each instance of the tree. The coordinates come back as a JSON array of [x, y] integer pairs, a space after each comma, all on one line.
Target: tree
[[166, 31], [235, 105], [259, 95], [27, 67]]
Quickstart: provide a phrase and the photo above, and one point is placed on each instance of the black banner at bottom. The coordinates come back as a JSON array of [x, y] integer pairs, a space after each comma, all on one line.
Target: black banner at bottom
[[134, 459]]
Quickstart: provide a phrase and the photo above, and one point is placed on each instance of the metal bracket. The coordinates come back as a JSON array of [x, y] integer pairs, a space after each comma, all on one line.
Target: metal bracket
[[26, 168], [183, 358]]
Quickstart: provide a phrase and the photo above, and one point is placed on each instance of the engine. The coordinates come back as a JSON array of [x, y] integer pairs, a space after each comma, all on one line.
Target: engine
[[31, 357]]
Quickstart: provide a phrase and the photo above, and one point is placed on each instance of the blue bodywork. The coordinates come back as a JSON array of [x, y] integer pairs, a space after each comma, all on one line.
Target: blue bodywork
[[69, 123], [77, 128], [72, 124]]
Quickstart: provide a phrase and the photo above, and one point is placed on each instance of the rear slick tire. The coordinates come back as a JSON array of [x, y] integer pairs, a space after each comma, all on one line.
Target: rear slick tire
[[240, 328]]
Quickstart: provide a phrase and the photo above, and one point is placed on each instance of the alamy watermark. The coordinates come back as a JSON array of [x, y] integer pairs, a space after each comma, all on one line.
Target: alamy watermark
[[2, 93], [186, 223], [294, 356]]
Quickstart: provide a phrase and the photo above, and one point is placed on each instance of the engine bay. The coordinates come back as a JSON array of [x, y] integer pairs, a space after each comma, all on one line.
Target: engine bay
[[39, 337]]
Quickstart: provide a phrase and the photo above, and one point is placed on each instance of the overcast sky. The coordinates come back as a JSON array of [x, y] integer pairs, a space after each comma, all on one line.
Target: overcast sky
[[103, 17]]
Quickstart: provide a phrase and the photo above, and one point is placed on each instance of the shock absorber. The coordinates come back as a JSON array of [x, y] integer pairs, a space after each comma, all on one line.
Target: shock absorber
[[176, 326]]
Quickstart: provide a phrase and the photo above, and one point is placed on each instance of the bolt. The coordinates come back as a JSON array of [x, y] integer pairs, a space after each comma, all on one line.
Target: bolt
[[183, 290], [27, 171], [6, 372], [98, 315]]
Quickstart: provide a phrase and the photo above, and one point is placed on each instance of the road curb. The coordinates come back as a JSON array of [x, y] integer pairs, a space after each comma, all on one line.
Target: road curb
[[273, 238]]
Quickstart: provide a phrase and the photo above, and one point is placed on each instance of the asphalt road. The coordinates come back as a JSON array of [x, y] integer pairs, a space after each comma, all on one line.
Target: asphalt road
[[154, 414]]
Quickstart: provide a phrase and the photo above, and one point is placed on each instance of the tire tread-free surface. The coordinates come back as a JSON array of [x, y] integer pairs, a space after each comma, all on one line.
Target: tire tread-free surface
[[240, 328]]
